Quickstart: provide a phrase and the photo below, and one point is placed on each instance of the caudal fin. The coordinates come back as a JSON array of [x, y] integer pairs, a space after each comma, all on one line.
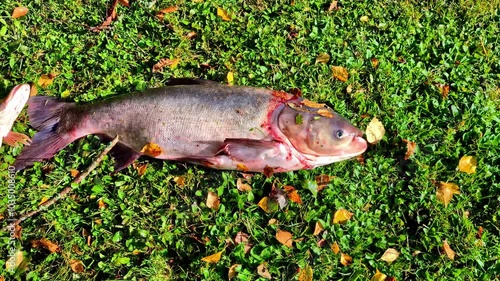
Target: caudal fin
[[44, 115]]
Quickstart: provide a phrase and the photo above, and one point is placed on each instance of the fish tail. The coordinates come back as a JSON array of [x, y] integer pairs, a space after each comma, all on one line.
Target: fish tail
[[44, 115]]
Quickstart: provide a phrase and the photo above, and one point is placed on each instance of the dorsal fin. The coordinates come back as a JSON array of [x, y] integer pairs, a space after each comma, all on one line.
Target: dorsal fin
[[190, 81]]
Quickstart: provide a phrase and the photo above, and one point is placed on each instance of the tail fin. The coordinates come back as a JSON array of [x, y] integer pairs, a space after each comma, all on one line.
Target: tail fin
[[44, 114]]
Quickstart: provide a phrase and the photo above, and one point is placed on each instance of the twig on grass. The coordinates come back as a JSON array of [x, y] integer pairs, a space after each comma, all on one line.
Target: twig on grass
[[68, 189]]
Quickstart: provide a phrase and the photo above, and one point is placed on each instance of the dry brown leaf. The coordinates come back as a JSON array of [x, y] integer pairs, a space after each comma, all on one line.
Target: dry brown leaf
[[264, 204], [479, 233], [318, 228], [213, 201], [272, 221], [110, 16], [74, 173], [323, 181], [230, 78], [277, 195], [325, 113], [223, 14], [410, 148], [378, 276], [341, 216], [375, 131], [333, 6], [292, 194], [323, 58], [191, 34], [374, 62], [467, 164], [312, 104], [285, 238], [215, 258], [45, 243], [390, 255], [263, 271], [240, 238], [19, 12], [124, 3], [172, 63], [335, 247], [268, 171], [447, 249], [76, 266], [306, 273], [101, 204], [345, 259], [151, 149], [169, 10], [444, 89], [76, 249], [232, 271], [45, 80], [243, 187], [445, 192], [140, 168], [340, 73]]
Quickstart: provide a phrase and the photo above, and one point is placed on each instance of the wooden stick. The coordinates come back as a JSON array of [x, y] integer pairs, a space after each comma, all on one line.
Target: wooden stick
[[68, 189]]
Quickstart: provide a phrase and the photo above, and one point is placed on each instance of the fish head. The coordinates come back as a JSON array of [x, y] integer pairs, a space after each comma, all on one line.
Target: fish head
[[321, 132]]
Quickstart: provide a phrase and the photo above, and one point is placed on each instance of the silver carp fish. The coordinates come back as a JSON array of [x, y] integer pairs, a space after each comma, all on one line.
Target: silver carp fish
[[201, 122]]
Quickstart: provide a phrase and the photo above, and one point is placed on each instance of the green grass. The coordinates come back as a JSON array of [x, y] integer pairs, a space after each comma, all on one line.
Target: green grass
[[153, 229]]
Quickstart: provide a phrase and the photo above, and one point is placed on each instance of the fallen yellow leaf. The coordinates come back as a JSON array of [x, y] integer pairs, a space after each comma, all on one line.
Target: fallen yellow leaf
[[44, 199], [223, 14], [124, 3], [375, 131], [264, 204], [285, 238], [74, 173], [341, 216], [340, 73], [410, 148], [335, 247], [323, 58], [447, 249], [241, 167], [263, 271], [45, 80], [76, 266], [445, 192], [213, 201], [232, 271], [364, 19], [215, 258], [345, 259], [151, 149], [306, 273], [390, 255], [33, 90], [16, 262], [378, 276], [243, 187], [467, 164], [19, 12], [230, 78], [317, 228]]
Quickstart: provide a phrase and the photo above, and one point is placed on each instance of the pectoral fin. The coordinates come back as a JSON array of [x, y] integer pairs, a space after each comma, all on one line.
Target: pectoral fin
[[249, 150], [13, 139]]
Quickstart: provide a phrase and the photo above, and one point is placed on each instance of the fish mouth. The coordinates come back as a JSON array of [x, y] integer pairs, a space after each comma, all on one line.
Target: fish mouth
[[359, 143]]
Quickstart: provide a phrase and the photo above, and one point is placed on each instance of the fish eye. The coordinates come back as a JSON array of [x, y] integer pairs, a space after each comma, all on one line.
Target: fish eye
[[339, 133]]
